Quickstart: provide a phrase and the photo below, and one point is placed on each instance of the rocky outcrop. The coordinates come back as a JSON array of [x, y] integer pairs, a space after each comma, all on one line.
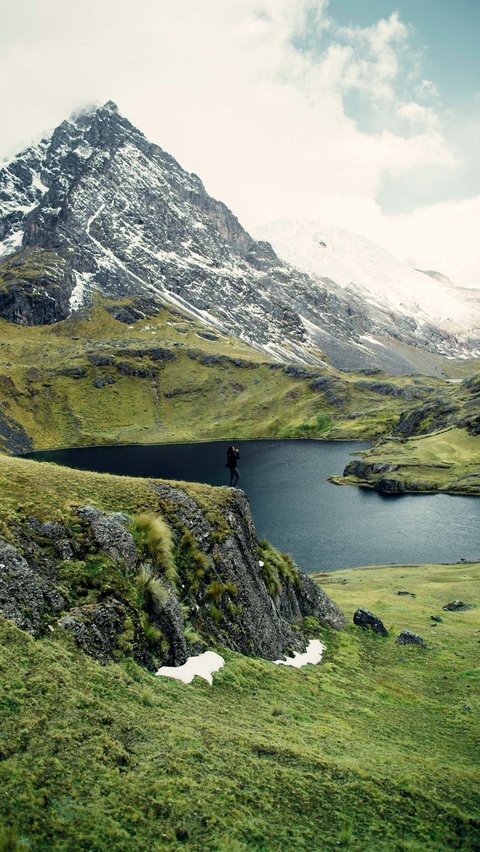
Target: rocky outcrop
[[433, 415], [99, 628], [99, 580], [368, 621], [25, 596], [254, 622], [36, 288], [13, 437], [111, 536], [457, 606]]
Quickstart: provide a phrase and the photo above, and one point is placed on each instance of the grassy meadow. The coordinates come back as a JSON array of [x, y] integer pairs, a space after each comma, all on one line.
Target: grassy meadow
[[447, 460]]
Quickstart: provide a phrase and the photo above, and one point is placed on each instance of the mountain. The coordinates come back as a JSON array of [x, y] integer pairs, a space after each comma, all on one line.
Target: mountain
[[95, 207], [355, 263]]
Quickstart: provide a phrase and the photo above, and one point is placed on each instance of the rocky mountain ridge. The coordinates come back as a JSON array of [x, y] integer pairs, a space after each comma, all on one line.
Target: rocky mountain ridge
[[118, 215]]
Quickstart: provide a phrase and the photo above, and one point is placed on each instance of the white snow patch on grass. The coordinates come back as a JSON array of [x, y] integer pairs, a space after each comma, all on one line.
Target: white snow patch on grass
[[204, 665], [313, 654]]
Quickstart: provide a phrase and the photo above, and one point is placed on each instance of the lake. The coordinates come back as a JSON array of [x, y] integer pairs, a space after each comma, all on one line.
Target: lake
[[325, 527]]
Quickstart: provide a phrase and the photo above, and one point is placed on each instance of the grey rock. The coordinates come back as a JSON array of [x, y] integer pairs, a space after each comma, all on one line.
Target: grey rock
[[368, 621], [100, 360], [408, 638], [35, 295], [73, 372], [406, 594], [13, 437], [428, 418], [368, 470], [265, 628], [25, 597], [386, 485], [457, 606], [100, 382], [168, 615], [127, 369], [55, 534], [110, 535], [437, 619], [98, 628]]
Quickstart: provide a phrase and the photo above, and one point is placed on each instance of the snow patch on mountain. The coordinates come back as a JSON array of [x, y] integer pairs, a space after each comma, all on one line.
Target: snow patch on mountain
[[356, 264]]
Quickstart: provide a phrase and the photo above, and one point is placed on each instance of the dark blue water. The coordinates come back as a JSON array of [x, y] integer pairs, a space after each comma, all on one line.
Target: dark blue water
[[325, 527]]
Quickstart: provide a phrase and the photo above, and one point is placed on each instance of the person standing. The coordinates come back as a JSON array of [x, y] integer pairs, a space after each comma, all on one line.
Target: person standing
[[232, 463]]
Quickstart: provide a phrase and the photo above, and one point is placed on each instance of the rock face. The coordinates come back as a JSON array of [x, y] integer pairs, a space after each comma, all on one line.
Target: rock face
[[96, 581], [107, 210], [25, 596], [37, 286], [267, 626], [366, 619]]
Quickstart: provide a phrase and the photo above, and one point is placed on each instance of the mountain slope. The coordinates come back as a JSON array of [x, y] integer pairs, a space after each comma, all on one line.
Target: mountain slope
[[124, 218], [355, 263]]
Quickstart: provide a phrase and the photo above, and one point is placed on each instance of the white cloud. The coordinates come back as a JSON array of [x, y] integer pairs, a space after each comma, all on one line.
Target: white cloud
[[442, 237], [249, 94]]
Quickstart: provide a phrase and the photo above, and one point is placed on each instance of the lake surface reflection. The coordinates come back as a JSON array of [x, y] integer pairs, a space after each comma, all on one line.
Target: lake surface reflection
[[323, 526]]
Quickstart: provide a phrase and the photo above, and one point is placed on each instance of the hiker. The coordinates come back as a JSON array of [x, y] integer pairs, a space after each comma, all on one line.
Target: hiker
[[232, 458]]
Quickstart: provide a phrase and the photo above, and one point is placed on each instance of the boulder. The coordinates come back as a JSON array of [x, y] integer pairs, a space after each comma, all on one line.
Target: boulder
[[408, 638], [457, 606], [366, 619]]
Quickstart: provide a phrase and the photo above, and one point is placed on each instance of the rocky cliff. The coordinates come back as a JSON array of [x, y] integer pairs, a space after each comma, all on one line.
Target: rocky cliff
[[122, 217], [158, 586]]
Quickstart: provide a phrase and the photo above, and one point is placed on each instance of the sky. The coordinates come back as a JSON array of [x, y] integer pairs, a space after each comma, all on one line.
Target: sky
[[363, 114]]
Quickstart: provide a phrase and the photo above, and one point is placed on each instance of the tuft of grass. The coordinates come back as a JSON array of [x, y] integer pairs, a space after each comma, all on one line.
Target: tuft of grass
[[153, 536], [277, 568]]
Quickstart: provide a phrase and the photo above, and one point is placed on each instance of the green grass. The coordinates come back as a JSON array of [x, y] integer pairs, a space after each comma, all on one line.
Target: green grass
[[51, 492], [372, 749], [376, 748], [448, 460], [183, 399]]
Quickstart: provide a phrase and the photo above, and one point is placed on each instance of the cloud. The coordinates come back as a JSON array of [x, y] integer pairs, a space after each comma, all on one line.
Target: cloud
[[252, 95], [442, 236]]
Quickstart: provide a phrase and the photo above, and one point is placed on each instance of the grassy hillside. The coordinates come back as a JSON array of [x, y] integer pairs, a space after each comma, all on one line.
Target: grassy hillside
[[376, 747], [96, 380]]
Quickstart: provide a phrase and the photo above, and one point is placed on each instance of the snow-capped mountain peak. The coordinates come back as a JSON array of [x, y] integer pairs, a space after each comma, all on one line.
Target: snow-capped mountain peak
[[115, 213]]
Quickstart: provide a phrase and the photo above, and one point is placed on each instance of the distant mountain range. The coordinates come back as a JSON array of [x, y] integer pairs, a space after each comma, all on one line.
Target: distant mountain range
[[95, 207]]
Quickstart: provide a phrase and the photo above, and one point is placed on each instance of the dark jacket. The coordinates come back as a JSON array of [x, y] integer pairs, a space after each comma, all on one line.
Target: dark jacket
[[232, 458]]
